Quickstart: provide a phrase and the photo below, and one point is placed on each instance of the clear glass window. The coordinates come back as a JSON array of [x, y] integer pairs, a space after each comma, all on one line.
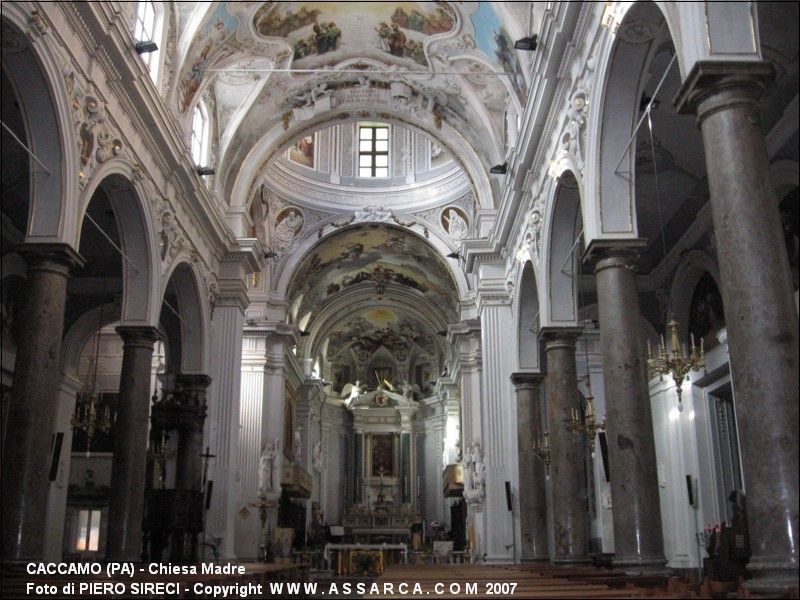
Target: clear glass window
[[373, 151], [146, 29], [200, 134], [88, 531]]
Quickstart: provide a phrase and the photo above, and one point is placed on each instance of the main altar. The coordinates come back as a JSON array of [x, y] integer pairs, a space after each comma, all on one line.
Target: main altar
[[377, 525]]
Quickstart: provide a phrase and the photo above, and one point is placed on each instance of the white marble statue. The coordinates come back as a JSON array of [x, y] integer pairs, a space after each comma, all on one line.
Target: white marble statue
[[266, 468], [316, 459], [297, 447], [354, 392]]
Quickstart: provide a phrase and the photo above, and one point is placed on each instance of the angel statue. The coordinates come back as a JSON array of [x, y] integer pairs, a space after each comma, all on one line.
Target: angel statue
[[352, 391]]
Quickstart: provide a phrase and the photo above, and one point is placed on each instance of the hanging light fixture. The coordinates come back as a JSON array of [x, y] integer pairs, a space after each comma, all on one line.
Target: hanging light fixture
[[89, 416], [677, 360], [587, 426]]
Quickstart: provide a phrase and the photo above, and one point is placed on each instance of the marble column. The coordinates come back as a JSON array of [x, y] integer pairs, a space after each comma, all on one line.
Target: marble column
[[222, 423], [31, 412], [126, 493], [760, 315], [532, 496], [638, 541], [567, 466]]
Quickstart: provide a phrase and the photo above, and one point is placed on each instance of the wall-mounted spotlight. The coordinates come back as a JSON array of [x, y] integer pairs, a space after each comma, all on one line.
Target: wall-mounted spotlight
[[144, 47], [304, 333], [455, 255], [527, 43], [270, 254], [203, 171], [499, 169]]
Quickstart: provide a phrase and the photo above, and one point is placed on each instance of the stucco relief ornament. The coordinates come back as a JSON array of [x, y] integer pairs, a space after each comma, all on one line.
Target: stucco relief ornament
[[375, 214], [571, 139], [170, 239], [37, 23], [316, 460]]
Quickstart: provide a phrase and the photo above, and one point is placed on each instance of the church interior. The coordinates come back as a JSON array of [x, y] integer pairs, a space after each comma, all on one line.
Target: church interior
[[404, 292]]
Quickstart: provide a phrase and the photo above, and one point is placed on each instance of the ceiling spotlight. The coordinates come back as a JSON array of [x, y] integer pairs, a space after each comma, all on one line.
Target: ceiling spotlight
[[144, 47], [270, 254], [499, 169], [442, 333], [527, 43], [455, 255], [202, 171], [304, 333]]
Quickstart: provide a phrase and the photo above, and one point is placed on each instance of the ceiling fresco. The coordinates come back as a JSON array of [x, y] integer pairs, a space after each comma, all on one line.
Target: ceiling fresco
[[325, 33], [272, 66], [378, 255], [380, 327]]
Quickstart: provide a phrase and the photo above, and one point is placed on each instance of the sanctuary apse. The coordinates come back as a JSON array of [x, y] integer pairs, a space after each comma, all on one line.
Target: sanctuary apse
[[476, 282]]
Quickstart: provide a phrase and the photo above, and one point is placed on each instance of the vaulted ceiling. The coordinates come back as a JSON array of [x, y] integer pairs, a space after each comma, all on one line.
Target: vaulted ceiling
[[272, 70]]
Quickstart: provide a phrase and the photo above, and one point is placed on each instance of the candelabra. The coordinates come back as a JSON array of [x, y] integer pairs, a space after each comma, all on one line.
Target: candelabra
[[541, 450], [589, 425], [676, 361], [88, 416]]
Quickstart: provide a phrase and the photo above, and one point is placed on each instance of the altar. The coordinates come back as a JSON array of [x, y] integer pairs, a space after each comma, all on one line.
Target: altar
[[365, 560]]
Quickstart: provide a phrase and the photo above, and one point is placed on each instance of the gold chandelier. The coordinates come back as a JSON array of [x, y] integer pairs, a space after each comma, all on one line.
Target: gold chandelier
[[89, 417], [589, 425], [677, 361]]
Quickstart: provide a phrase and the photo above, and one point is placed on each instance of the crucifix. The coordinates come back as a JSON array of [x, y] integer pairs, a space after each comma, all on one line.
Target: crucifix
[[207, 486]]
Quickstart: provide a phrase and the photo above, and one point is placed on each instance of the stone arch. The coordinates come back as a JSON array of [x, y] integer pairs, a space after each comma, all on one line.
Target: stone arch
[[563, 225], [81, 330], [619, 81], [528, 319], [141, 270], [277, 139], [189, 352], [285, 270], [36, 76], [689, 272]]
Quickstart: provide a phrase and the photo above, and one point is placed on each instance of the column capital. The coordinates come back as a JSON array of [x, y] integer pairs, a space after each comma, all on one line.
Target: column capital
[[195, 381], [555, 337], [144, 335], [523, 381], [38, 255], [726, 82], [620, 252]]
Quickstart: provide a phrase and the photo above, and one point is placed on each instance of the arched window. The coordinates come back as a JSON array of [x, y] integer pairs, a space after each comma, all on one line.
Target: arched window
[[200, 134], [147, 28]]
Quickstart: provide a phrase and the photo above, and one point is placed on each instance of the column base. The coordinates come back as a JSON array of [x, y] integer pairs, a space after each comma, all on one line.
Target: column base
[[649, 567], [571, 561], [772, 575]]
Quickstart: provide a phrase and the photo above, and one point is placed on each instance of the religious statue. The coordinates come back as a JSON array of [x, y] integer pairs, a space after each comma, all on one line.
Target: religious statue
[[455, 223], [266, 468], [355, 391], [474, 475], [316, 460], [407, 390], [297, 447]]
